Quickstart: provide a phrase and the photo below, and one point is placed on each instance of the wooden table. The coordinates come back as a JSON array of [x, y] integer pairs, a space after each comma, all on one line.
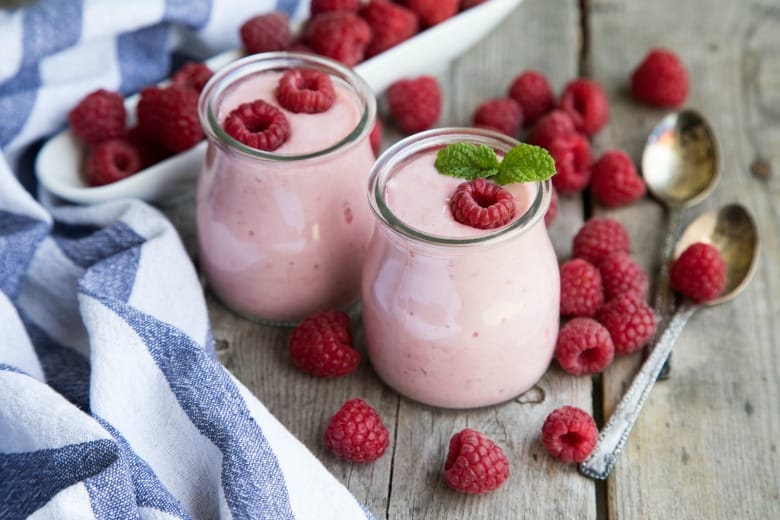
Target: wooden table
[[706, 444]]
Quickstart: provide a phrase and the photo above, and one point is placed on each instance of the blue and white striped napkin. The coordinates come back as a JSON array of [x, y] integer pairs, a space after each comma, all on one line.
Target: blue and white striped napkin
[[112, 404]]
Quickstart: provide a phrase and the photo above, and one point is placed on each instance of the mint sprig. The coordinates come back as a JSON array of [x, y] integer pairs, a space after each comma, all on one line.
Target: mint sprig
[[523, 163]]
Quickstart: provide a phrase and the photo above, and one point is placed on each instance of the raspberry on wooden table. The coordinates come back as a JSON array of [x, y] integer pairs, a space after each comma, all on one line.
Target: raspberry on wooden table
[[584, 346], [432, 12], [340, 35], [614, 181], [322, 6], [661, 79], [502, 114], [258, 124], [581, 291], [630, 322], [475, 464], [110, 161], [699, 272], [169, 117], [266, 32], [321, 345], [356, 432], [390, 25], [192, 75], [549, 127], [305, 90], [533, 93], [620, 274], [586, 102], [415, 104], [98, 117], [569, 434], [482, 204], [572, 157], [599, 237]]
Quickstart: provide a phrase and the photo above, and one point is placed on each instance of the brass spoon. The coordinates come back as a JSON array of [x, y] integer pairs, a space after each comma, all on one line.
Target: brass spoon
[[681, 167], [733, 231]]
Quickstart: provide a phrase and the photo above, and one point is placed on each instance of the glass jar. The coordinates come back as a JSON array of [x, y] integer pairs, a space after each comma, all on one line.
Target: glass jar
[[283, 234], [457, 321]]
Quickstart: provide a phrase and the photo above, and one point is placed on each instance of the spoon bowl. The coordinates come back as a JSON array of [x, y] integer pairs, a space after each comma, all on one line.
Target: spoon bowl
[[733, 231]]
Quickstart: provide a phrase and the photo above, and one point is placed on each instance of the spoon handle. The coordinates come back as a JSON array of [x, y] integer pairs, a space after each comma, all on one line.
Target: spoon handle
[[615, 433], [663, 297]]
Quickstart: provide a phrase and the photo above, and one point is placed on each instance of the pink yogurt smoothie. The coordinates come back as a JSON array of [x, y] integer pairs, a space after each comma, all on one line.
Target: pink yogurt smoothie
[[280, 239], [458, 326]]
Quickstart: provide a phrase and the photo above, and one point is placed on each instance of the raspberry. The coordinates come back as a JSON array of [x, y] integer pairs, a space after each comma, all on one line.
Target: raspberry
[[585, 101], [552, 210], [375, 137], [482, 204], [322, 6], [475, 464], [266, 32], [599, 237], [699, 272], [569, 434], [533, 93], [341, 35], [584, 347], [192, 75], [581, 292], [468, 4], [432, 12], [169, 116], [390, 25], [503, 114], [305, 90], [111, 161], [149, 151], [258, 124], [660, 79], [620, 274], [98, 117], [356, 432], [614, 181], [572, 162], [554, 124], [630, 322], [321, 345], [415, 104]]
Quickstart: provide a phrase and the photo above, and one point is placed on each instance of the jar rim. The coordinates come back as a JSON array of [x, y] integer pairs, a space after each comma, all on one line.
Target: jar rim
[[237, 70], [394, 156]]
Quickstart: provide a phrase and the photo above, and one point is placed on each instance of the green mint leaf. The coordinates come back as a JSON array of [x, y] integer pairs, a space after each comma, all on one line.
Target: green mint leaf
[[467, 161], [525, 163]]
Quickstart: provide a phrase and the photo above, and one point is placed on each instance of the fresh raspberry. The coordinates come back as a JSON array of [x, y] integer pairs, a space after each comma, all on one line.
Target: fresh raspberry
[[482, 204], [584, 347], [306, 90], [503, 114], [581, 292], [630, 322], [356, 432], [620, 274], [322, 6], [586, 102], [321, 345], [192, 75], [549, 127], [475, 464], [375, 137], [390, 25], [266, 32], [533, 93], [98, 117], [150, 152], [258, 124], [699, 272], [614, 181], [341, 35], [110, 161], [552, 210], [415, 104], [432, 12], [660, 79], [569, 434], [169, 116], [572, 163], [599, 237]]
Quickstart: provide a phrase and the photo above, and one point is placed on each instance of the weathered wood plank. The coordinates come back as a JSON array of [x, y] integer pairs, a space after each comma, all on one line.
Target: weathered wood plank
[[706, 443]]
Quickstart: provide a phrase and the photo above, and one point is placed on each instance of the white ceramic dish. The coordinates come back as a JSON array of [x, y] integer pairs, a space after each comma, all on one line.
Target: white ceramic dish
[[58, 163]]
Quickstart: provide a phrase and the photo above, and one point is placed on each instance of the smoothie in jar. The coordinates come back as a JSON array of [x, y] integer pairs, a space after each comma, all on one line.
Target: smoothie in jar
[[456, 316], [282, 233]]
